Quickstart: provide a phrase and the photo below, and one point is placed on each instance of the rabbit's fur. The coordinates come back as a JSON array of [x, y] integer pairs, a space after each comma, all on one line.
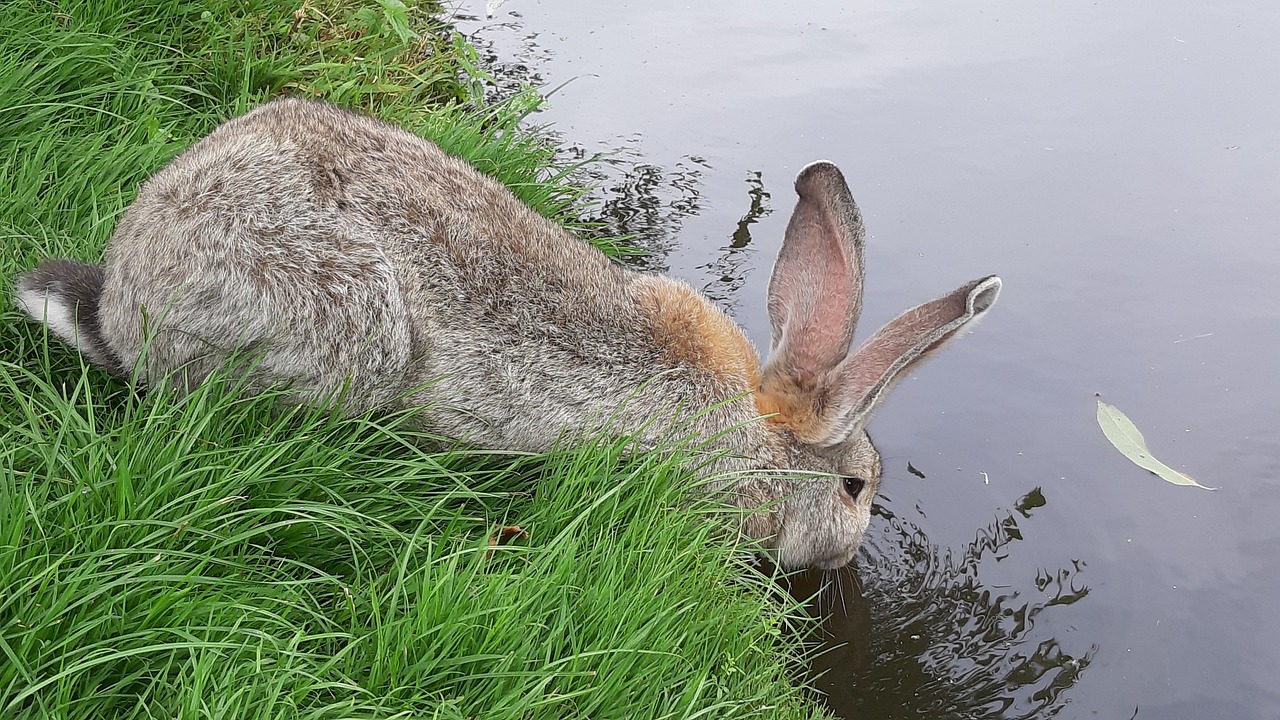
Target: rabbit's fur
[[349, 255]]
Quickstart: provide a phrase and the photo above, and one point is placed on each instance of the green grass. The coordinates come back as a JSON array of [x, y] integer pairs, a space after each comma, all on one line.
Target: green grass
[[218, 556]]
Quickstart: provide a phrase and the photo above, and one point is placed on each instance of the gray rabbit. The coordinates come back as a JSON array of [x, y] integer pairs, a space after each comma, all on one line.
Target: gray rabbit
[[347, 255]]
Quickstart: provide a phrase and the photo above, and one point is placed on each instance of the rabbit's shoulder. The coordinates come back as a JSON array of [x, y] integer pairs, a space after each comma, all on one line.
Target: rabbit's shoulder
[[693, 332]]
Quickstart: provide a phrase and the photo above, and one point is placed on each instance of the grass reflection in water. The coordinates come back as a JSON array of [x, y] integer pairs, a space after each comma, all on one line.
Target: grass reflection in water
[[913, 631]]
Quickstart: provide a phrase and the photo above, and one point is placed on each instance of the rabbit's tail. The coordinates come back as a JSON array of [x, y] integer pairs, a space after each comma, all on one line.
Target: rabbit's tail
[[64, 295]]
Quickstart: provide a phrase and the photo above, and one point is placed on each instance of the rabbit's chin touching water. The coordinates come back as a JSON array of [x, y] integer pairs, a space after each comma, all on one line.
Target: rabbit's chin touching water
[[345, 254]]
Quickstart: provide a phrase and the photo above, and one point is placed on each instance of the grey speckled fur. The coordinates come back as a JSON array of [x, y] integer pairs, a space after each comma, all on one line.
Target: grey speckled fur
[[347, 253]]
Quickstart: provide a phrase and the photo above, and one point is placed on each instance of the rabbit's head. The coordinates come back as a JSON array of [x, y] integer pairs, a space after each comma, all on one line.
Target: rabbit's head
[[821, 471]]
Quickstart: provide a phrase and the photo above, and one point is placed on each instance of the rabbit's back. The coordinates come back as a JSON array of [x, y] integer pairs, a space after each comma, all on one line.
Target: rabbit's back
[[347, 253]]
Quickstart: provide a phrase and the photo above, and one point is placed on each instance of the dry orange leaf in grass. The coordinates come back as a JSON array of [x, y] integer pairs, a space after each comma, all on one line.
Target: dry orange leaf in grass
[[503, 536]]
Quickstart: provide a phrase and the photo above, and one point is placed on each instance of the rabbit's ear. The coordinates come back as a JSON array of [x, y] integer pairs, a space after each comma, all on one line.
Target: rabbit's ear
[[861, 382], [815, 293]]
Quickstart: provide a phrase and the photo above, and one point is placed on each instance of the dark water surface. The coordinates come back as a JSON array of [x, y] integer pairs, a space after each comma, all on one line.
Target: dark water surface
[[1118, 164]]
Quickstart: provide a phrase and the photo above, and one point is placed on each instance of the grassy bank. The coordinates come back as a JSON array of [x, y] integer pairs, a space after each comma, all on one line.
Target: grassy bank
[[212, 556]]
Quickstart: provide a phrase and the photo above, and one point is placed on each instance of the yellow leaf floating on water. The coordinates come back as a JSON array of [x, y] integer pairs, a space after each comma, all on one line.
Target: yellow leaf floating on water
[[1124, 435]]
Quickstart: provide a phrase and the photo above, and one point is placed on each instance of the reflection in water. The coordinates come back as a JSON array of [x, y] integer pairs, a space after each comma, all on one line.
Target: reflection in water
[[509, 73], [634, 199], [730, 268], [649, 204], [914, 632], [645, 203], [631, 199]]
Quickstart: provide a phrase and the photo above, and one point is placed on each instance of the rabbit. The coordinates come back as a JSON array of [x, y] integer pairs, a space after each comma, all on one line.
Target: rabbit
[[351, 256]]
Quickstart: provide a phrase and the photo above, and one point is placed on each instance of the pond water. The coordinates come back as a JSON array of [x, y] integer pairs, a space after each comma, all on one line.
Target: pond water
[[1118, 164]]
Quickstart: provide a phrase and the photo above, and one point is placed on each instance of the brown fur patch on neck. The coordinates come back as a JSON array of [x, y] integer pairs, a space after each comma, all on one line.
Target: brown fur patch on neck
[[799, 408], [693, 332]]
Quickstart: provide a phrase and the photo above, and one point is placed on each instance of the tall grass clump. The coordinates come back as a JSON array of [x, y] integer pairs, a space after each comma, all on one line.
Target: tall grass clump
[[217, 555], [222, 555]]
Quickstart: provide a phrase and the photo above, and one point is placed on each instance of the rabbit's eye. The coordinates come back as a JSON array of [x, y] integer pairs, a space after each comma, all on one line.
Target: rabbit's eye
[[854, 485]]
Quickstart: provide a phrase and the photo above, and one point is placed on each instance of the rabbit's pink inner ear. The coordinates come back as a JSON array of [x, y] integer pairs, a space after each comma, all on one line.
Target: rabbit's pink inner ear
[[815, 292], [867, 375]]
